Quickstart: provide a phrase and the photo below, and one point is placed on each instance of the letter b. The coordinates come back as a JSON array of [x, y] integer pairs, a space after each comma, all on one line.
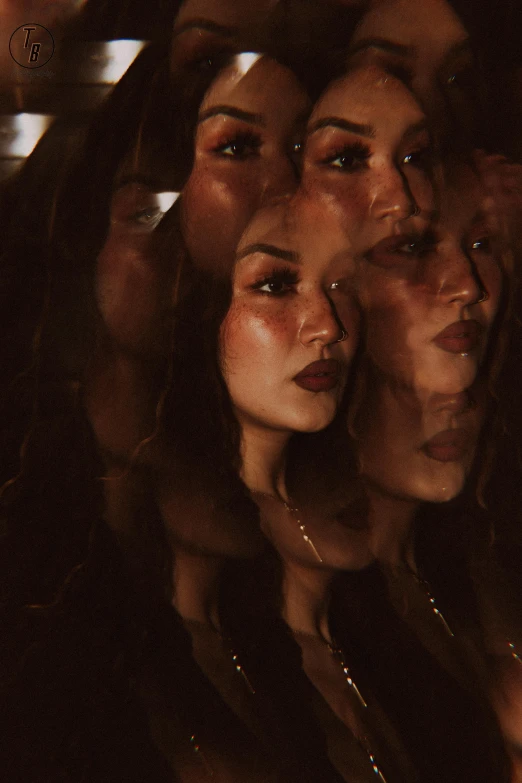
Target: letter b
[[35, 53]]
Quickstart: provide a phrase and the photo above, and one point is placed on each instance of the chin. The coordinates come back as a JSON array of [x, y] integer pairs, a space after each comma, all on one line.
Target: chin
[[441, 491], [313, 423], [449, 377]]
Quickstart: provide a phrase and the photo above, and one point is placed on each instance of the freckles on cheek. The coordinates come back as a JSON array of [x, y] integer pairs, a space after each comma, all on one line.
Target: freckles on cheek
[[252, 335], [348, 197]]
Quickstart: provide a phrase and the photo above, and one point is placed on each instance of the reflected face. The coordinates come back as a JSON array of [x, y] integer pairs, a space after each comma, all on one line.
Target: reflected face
[[368, 153], [283, 355], [419, 452], [249, 124], [232, 16], [423, 42], [132, 285], [430, 301]]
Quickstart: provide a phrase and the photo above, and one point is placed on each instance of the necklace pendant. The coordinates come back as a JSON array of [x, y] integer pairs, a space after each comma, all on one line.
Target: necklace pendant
[[241, 671], [337, 653], [201, 756], [514, 653], [312, 546], [426, 587], [375, 767], [357, 691]]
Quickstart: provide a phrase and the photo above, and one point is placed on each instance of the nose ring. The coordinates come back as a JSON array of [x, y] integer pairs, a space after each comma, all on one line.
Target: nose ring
[[342, 338], [484, 297], [415, 210]]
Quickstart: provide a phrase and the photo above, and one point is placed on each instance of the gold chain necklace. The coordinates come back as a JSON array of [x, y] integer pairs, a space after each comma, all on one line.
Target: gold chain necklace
[[339, 656], [426, 588], [295, 513]]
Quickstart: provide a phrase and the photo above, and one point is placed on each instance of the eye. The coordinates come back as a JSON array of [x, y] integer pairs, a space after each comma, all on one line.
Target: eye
[[149, 217], [483, 245], [464, 78], [241, 146], [352, 157], [420, 159], [343, 286], [279, 283]]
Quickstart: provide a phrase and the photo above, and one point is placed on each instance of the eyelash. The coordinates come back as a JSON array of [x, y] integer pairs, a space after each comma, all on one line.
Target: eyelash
[[248, 143], [420, 158], [486, 242], [283, 277], [420, 247], [149, 217], [358, 153]]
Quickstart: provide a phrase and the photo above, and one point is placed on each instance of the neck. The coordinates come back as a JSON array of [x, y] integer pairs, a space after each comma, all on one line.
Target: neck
[[392, 529], [263, 455], [196, 585], [306, 599]]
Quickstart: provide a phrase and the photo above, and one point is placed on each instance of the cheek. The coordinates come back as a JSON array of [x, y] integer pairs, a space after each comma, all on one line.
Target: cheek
[[217, 206], [420, 188], [347, 194], [491, 278], [396, 322], [255, 342], [132, 292]]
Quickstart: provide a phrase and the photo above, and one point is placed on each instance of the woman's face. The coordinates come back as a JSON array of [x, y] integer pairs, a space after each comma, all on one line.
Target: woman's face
[[249, 123], [430, 301], [292, 327], [204, 28], [419, 451], [132, 286], [367, 152], [425, 43]]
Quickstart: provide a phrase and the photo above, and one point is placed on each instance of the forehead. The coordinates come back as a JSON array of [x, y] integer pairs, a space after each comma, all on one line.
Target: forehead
[[305, 226], [266, 82], [412, 23], [366, 92]]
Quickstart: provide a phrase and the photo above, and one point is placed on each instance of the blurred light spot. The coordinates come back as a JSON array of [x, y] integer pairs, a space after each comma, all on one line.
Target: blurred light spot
[[245, 61], [166, 200], [20, 133], [109, 60]]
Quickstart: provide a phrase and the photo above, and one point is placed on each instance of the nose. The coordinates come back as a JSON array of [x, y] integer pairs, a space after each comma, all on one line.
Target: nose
[[320, 322], [457, 279], [392, 197]]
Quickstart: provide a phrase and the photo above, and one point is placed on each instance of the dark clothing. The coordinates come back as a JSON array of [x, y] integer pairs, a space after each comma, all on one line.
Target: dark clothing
[[101, 685], [449, 732]]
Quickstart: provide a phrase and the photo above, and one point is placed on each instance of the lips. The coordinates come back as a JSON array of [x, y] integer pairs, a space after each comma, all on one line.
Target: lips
[[319, 376], [460, 337], [448, 446]]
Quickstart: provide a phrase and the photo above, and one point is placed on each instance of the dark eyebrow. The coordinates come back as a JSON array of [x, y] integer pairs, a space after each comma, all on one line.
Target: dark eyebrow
[[153, 185], [483, 216], [269, 250], [338, 122], [401, 50], [205, 24], [414, 129], [461, 46], [232, 111]]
